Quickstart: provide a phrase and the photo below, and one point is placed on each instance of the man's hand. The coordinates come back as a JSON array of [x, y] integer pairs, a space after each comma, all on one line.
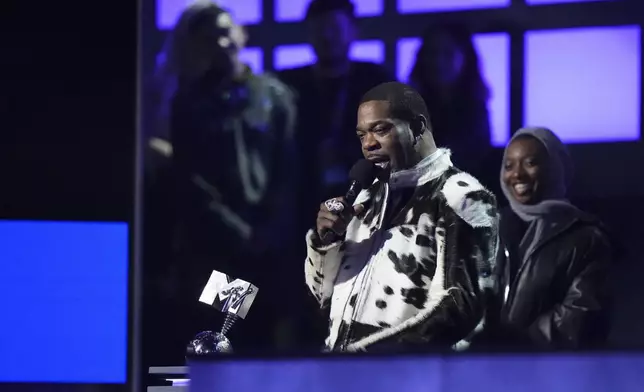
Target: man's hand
[[335, 215]]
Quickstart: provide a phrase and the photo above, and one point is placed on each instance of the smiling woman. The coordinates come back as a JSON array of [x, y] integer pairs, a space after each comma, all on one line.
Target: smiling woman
[[553, 271], [524, 169]]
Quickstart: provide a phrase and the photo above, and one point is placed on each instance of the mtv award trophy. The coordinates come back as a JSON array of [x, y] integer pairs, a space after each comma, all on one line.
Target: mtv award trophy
[[230, 296]]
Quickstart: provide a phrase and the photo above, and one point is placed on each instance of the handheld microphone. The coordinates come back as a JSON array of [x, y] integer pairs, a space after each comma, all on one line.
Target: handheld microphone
[[362, 175]]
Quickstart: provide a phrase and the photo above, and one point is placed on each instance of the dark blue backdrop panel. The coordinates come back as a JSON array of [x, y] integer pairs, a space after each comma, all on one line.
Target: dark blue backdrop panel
[[539, 2], [63, 300], [525, 373]]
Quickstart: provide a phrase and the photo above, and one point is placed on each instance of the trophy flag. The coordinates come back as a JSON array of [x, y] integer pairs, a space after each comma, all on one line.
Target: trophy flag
[[232, 296]]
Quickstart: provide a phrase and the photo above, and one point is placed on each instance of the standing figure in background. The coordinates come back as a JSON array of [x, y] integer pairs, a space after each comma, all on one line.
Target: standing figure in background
[[328, 94], [555, 259], [448, 76], [230, 134]]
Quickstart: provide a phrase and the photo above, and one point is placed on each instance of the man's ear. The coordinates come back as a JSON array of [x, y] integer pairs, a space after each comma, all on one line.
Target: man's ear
[[418, 125]]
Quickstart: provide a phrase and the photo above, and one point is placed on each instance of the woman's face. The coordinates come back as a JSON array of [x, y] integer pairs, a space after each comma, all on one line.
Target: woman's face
[[524, 169], [442, 59]]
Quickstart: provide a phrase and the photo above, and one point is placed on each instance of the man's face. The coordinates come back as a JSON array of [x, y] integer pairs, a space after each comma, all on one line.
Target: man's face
[[384, 140], [331, 35]]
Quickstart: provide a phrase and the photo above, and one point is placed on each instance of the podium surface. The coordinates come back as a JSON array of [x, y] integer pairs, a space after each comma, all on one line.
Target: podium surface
[[423, 373], [173, 378]]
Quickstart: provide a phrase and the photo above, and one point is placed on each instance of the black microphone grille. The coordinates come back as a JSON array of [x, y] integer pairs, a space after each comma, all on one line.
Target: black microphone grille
[[363, 172]]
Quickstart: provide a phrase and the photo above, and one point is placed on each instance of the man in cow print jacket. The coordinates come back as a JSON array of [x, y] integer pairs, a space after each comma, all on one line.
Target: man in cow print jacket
[[409, 262]]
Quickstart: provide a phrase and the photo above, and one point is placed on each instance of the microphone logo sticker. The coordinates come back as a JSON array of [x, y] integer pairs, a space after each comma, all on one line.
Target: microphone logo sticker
[[334, 205]]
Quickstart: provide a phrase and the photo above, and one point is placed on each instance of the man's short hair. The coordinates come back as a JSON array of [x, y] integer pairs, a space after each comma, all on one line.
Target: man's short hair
[[321, 7], [404, 102]]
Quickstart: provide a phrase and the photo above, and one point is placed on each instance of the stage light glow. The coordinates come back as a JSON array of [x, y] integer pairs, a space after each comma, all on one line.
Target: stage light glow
[[418, 6], [292, 56], [584, 83], [494, 52], [295, 10], [253, 57], [244, 11], [538, 2]]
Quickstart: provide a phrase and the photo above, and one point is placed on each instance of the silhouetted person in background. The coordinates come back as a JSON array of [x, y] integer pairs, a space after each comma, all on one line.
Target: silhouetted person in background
[[231, 152], [328, 94], [555, 259], [448, 76]]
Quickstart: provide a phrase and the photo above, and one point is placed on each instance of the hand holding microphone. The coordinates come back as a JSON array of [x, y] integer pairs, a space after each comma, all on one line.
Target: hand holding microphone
[[334, 217], [335, 214]]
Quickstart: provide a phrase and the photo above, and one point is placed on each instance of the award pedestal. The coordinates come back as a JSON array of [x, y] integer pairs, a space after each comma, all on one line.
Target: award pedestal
[[209, 342], [168, 379], [230, 296]]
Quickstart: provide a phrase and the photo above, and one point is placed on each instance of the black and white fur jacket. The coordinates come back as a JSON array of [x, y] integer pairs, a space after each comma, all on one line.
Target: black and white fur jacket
[[417, 278]]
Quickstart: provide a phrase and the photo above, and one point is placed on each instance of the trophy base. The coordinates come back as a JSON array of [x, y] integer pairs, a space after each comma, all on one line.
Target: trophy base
[[208, 342]]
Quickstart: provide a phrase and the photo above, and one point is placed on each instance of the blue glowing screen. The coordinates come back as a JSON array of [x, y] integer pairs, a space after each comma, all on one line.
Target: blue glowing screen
[[291, 56], [64, 302], [584, 83], [254, 58], [244, 11], [536, 2], [417, 6], [294, 10]]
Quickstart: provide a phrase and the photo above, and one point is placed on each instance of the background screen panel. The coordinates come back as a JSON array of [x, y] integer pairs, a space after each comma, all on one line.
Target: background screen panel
[[537, 2], [244, 11], [253, 57], [494, 52], [584, 83], [295, 10], [292, 56], [416, 6], [64, 299]]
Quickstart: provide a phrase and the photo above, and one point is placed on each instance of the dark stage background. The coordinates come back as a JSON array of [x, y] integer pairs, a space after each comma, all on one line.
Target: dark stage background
[[70, 101]]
